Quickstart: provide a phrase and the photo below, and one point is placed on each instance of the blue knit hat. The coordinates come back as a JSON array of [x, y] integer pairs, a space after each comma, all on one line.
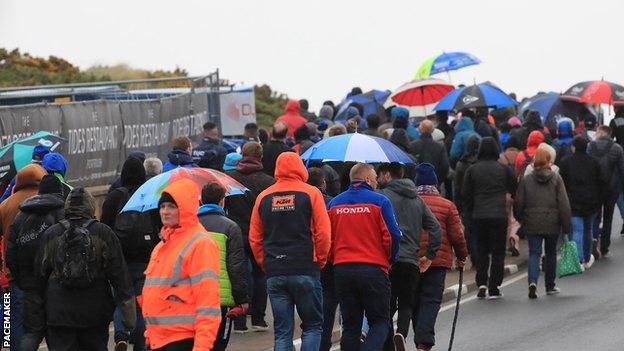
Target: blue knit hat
[[39, 151], [399, 112], [352, 112], [231, 160], [425, 174]]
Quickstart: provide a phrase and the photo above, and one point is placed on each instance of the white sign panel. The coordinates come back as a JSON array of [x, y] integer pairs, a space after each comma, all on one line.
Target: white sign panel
[[237, 109]]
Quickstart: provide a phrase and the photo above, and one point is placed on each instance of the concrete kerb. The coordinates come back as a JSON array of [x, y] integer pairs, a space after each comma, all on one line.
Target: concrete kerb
[[450, 294]]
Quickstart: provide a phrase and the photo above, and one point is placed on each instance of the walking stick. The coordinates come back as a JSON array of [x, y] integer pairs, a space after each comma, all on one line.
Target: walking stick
[[459, 294]]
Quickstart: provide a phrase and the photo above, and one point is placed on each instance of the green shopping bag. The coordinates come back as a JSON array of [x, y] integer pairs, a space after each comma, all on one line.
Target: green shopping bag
[[569, 263]]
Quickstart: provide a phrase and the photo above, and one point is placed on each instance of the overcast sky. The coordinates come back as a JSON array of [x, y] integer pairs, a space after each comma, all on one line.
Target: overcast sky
[[320, 49]]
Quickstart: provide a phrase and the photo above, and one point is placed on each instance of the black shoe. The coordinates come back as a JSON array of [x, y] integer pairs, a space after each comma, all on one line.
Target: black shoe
[[482, 292], [259, 326], [595, 250], [622, 231], [514, 251], [494, 294], [532, 291]]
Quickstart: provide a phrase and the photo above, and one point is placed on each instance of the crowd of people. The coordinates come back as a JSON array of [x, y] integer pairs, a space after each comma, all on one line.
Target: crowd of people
[[371, 240]]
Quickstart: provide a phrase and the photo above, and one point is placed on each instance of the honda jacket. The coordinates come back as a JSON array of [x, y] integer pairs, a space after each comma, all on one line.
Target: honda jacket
[[364, 229], [181, 292], [289, 232]]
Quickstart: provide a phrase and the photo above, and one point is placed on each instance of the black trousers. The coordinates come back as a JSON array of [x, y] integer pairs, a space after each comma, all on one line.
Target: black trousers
[[182, 345], [78, 339], [491, 241], [225, 329], [34, 319], [405, 285]]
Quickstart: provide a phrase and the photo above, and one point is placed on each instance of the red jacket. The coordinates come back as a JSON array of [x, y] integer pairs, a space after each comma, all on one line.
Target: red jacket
[[535, 138], [292, 117], [452, 231]]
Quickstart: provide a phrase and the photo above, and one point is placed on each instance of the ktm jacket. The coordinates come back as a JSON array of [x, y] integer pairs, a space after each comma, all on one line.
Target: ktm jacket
[[181, 292], [290, 231], [364, 228]]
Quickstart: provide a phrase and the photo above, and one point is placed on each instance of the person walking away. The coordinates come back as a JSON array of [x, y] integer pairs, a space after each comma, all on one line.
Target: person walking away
[[508, 159], [373, 121], [275, 146], [525, 158], [153, 167], [292, 117], [180, 156], [365, 241], [233, 275], [302, 140], [452, 245], [290, 238], [617, 124], [563, 143], [39, 151], [581, 176], [139, 155], [316, 177], [249, 172], [305, 105], [231, 160], [55, 164], [464, 129], [138, 234], [611, 159], [180, 301], [486, 186], [541, 205], [426, 150], [413, 216], [36, 214], [210, 153], [80, 259], [553, 155], [467, 160], [26, 185]]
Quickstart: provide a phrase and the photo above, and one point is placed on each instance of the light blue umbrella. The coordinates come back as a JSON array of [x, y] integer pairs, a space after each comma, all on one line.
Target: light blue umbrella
[[357, 148]]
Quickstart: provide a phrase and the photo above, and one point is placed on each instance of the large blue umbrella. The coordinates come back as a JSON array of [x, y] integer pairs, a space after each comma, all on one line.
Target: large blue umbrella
[[372, 101], [481, 95], [550, 105], [357, 148]]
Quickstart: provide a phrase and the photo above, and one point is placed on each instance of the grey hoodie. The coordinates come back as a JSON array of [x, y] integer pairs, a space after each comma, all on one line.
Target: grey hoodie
[[413, 216]]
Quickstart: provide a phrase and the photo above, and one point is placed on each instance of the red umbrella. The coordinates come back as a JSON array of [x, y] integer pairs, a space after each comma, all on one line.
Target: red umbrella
[[419, 96], [595, 92]]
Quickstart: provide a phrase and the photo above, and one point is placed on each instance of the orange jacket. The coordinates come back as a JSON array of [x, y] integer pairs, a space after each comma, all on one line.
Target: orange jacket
[[181, 292], [292, 117], [290, 232]]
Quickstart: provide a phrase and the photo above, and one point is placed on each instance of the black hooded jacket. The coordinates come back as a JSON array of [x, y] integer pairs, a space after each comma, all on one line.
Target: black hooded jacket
[[487, 183], [425, 149], [132, 177], [37, 214], [92, 306], [469, 159]]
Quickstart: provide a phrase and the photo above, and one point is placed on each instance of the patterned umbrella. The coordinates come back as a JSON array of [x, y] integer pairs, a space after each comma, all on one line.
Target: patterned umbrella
[[357, 148], [147, 195], [448, 61], [419, 96], [596, 92], [18, 154]]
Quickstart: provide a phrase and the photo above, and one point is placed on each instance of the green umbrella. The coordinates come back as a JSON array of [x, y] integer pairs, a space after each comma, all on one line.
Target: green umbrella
[[18, 154]]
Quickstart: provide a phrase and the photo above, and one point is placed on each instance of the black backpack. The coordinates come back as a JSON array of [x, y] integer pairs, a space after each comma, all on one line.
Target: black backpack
[[135, 230], [76, 261]]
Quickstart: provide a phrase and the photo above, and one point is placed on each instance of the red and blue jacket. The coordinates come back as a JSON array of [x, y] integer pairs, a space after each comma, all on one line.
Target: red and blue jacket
[[364, 228]]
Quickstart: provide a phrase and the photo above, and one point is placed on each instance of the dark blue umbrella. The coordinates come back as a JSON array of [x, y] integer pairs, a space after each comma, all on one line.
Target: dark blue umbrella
[[481, 95], [550, 105], [372, 102]]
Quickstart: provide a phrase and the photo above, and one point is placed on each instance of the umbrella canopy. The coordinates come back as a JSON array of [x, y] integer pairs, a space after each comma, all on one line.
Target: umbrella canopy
[[595, 92], [18, 154], [448, 61], [419, 96], [357, 148], [372, 101], [481, 95], [550, 105], [147, 195]]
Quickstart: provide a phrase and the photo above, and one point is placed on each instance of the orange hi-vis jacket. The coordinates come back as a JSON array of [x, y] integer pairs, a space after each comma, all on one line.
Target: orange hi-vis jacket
[[181, 292]]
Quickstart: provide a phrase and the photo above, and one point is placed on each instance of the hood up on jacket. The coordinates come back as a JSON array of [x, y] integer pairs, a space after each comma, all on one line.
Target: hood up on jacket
[[565, 131], [464, 124], [80, 204], [290, 167], [292, 108], [533, 121], [399, 138], [185, 193], [536, 137], [55, 163], [132, 173], [179, 158], [403, 187], [472, 147], [488, 149], [28, 177]]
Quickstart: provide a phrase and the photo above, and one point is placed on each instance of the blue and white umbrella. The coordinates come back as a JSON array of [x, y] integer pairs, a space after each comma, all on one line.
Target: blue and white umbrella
[[481, 95], [357, 148]]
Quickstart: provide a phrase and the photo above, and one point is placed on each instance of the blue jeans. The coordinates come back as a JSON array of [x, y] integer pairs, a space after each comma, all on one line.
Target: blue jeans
[[550, 263], [582, 234], [138, 279], [363, 289], [17, 329], [431, 291], [304, 292]]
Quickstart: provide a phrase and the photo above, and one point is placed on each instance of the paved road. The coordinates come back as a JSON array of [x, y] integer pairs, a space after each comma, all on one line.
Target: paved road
[[587, 315]]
